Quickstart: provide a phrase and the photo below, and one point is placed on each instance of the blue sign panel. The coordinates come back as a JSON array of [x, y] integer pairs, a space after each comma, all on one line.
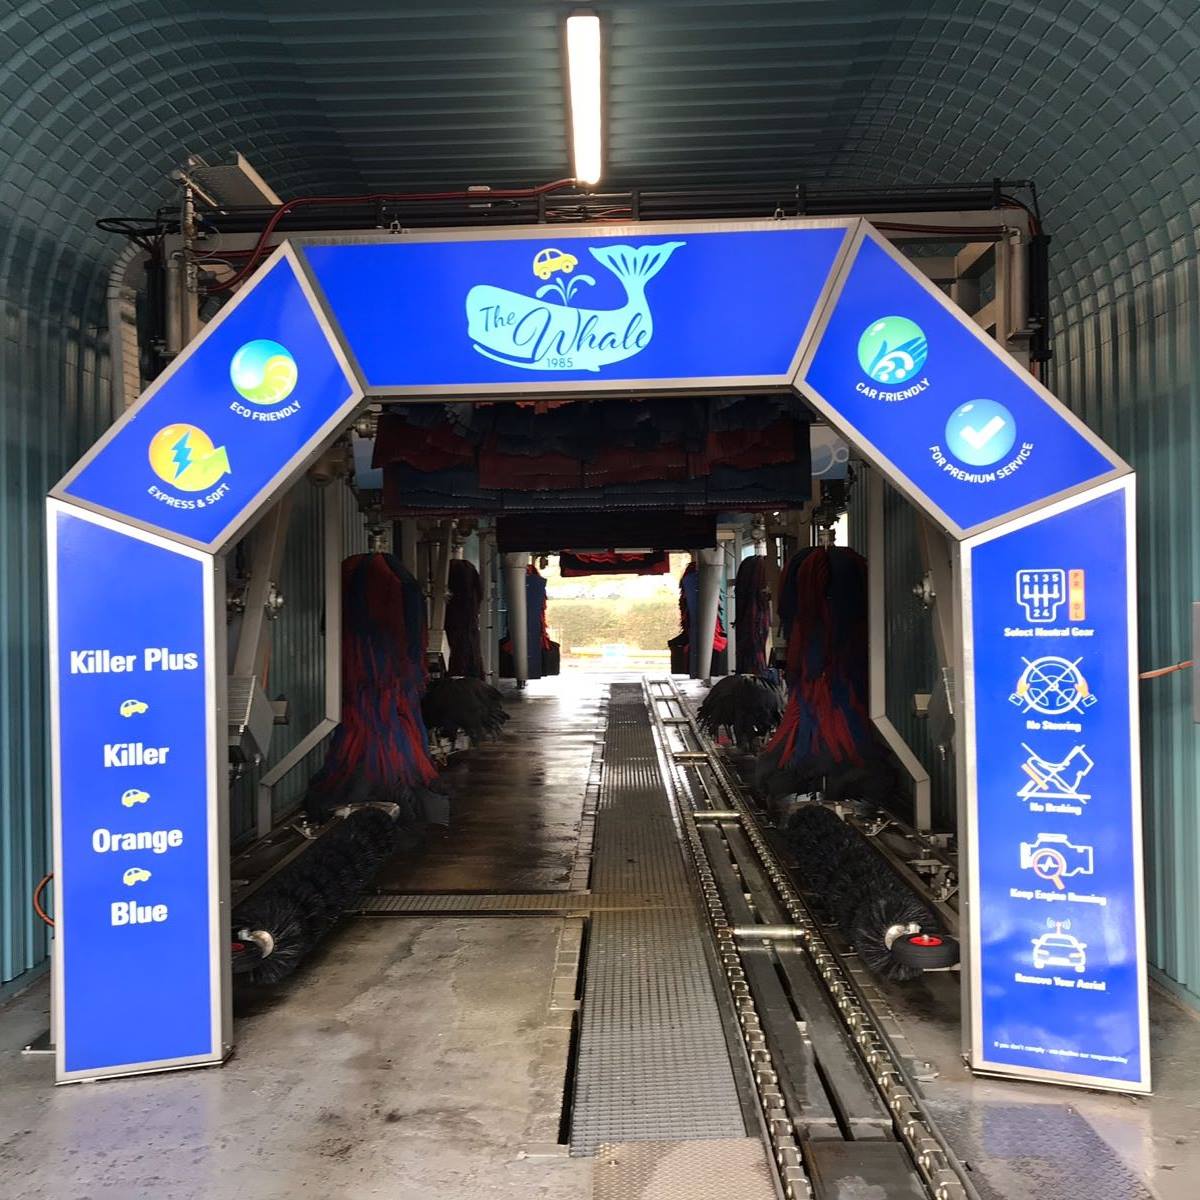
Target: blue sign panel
[[1059, 965], [135, 860], [966, 427], [562, 309], [254, 392]]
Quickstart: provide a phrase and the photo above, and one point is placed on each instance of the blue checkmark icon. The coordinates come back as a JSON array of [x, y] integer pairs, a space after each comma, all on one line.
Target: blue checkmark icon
[[980, 432]]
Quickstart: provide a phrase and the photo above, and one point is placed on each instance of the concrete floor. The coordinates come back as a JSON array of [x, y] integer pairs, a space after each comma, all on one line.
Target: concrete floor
[[407, 1060], [517, 801], [1030, 1141], [420, 1057]]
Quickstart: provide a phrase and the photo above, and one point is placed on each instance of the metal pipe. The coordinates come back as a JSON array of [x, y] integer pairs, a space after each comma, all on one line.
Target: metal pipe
[[769, 933], [122, 328], [1018, 285]]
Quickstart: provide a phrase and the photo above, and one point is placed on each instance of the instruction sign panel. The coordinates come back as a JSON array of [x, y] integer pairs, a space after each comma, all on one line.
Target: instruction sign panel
[[1056, 832], [928, 393], [138, 938], [557, 309], [253, 393]]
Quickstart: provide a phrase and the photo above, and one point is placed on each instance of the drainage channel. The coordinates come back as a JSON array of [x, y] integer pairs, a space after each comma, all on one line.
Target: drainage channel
[[841, 1112]]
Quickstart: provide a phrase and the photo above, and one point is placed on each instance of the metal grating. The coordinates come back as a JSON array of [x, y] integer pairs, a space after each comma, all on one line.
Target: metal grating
[[709, 1170], [551, 903], [1032, 1151], [653, 1062]]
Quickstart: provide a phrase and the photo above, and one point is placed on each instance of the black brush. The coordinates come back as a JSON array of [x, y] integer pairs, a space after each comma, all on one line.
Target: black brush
[[877, 925]]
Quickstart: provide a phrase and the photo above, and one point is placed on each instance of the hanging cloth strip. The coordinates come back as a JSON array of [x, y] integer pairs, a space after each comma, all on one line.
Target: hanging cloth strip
[[572, 564]]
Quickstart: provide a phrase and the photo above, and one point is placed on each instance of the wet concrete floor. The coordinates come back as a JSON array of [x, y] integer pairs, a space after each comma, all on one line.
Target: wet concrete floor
[[409, 1058], [418, 1058]]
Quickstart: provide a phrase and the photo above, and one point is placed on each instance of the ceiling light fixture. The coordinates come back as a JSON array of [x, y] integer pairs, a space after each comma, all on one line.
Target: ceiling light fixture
[[583, 79]]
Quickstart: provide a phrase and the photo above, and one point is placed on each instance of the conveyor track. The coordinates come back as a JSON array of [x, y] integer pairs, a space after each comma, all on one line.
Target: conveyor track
[[840, 1109]]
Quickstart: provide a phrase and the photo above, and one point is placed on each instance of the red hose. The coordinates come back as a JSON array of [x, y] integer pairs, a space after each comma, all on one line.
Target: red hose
[[1181, 666], [37, 899], [376, 198]]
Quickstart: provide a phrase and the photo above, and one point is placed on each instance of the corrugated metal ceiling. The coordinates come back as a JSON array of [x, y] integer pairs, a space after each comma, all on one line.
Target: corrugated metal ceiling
[[424, 95]]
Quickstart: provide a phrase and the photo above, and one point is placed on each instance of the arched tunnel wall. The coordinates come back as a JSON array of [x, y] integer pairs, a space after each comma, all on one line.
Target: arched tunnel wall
[[1100, 104]]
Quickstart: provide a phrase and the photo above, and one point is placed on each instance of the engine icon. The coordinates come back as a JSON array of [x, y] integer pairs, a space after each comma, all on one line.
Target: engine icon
[[1053, 857]]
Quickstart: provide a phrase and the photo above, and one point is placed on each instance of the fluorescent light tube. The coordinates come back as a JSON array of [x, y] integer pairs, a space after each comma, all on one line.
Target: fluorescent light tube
[[583, 75]]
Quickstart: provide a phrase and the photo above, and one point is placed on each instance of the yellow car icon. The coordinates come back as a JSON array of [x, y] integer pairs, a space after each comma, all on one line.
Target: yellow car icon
[[131, 707], [132, 796], [135, 875], [546, 262]]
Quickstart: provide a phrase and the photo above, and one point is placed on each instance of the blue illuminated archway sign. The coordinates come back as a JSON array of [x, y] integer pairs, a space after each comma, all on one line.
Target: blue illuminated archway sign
[[1039, 508]]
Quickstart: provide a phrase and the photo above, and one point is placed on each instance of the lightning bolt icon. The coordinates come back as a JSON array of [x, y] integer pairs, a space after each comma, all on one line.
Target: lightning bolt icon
[[182, 454]]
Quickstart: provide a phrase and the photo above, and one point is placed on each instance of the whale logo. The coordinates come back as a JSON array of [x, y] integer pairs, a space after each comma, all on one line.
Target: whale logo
[[545, 332]]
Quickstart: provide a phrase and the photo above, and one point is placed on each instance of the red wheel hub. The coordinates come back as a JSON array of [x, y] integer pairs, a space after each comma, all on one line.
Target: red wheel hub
[[924, 939]]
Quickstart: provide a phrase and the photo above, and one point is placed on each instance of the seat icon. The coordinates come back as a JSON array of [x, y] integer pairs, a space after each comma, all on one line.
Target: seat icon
[[1050, 780]]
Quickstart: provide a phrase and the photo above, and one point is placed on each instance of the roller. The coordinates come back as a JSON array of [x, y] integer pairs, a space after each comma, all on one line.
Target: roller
[[896, 934], [280, 923]]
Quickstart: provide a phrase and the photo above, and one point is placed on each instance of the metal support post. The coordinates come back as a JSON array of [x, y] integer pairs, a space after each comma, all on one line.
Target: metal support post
[[439, 585], [487, 575], [266, 558], [733, 559], [878, 651], [332, 553], [710, 566], [408, 543], [515, 566]]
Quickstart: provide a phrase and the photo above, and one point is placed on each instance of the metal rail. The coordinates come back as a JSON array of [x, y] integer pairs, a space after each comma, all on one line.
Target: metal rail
[[835, 1093]]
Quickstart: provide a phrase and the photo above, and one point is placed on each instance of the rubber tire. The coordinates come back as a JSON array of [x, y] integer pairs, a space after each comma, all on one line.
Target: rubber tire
[[925, 958]]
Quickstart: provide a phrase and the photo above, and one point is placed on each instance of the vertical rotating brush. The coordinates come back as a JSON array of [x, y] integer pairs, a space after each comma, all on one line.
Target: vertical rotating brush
[[825, 739], [747, 705], [379, 752], [752, 602], [462, 701], [463, 603]]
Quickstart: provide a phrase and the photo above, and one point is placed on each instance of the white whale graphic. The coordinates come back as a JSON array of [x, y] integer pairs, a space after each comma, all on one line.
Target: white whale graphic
[[539, 335]]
